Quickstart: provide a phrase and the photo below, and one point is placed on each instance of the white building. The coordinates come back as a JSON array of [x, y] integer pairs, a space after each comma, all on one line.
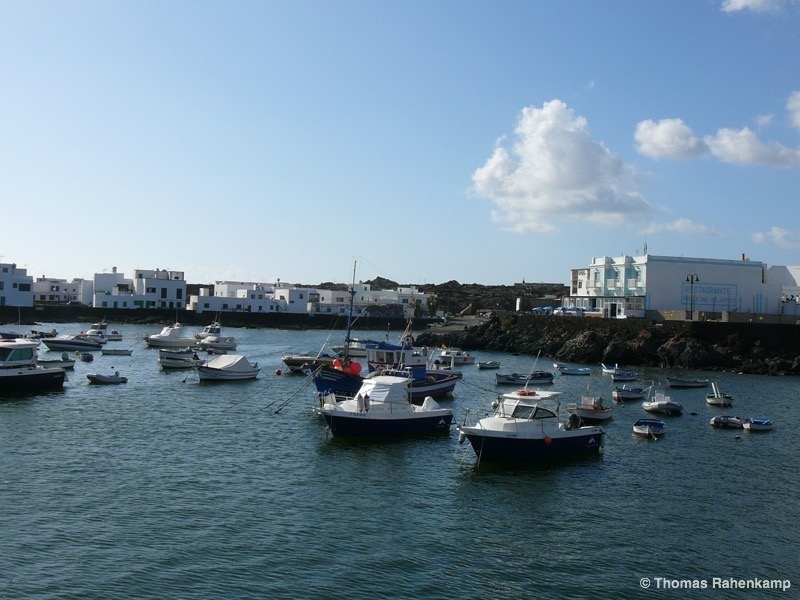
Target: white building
[[16, 286], [630, 285], [51, 290], [399, 303], [159, 288], [237, 296]]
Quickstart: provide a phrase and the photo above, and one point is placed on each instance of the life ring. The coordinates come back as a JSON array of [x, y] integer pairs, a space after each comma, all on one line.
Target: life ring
[[409, 339]]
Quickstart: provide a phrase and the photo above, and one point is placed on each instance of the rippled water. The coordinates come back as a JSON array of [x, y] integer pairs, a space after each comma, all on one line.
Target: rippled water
[[165, 487]]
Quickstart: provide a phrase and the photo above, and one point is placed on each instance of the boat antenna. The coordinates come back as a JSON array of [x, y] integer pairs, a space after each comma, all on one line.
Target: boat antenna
[[533, 370]]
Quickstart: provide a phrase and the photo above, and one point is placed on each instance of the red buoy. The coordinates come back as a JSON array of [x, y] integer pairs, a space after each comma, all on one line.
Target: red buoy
[[277, 371]]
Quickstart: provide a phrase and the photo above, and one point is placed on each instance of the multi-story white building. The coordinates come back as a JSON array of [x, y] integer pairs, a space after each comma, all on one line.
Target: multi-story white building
[[16, 286], [627, 286], [237, 296], [366, 300], [50, 290], [159, 288]]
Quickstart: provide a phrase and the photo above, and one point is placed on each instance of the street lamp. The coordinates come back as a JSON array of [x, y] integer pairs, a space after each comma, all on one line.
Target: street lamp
[[691, 278]]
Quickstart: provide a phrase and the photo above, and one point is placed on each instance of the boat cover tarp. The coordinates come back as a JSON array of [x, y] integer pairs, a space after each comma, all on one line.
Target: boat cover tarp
[[386, 389], [232, 362]]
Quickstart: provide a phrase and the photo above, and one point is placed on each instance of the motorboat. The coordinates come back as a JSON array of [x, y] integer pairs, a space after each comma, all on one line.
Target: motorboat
[[727, 422], [228, 367], [677, 382], [567, 370], [116, 351], [217, 342], [382, 407], [179, 361], [488, 364], [625, 393], [65, 362], [624, 376], [535, 377], [651, 428], [298, 362], [101, 379], [529, 427], [171, 336], [20, 371], [96, 335], [78, 341], [590, 409], [717, 398], [662, 404], [455, 357], [214, 329], [102, 328], [753, 425]]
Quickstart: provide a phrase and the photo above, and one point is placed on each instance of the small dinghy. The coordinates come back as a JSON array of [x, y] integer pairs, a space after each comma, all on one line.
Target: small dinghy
[[106, 379], [753, 425], [652, 428], [727, 422]]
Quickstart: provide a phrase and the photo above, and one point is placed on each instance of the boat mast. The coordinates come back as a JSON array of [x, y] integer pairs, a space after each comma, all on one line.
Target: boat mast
[[350, 314]]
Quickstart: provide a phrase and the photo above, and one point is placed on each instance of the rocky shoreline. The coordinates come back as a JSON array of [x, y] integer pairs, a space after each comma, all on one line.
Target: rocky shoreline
[[742, 347]]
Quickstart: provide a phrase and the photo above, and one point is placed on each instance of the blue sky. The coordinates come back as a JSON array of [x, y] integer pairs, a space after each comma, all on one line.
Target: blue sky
[[486, 142]]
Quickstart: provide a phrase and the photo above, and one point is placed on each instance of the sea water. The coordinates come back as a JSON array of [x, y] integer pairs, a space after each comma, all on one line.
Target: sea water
[[168, 488]]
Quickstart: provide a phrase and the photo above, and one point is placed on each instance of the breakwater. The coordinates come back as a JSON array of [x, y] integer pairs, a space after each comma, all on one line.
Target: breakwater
[[744, 347]]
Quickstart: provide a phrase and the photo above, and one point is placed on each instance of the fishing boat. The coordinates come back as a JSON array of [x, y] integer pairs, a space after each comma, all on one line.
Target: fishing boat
[[567, 370], [663, 404], [228, 367], [455, 357], [727, 422], [101, 379], [590, 409], [297, 363], [382, 407], [529, 427], [102, 328], [625, 393], [624, 376], [535, 377], [651, 428], [488, 364], [677, 382], [213, 329], [116, 351], [717, 398], [217, 342], [753, 425], [607, 370], [179, 361], [20, 371], [171, 336]]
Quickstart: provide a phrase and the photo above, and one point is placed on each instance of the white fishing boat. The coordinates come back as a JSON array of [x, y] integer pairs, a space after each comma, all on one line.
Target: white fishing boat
[[753, 425], [217, 342], [228, 367], [590, 409], [179, 361], [529, 427], [213, 329], [651, 428], [102, 328], [455, 357], [717, 398], [382, 407]]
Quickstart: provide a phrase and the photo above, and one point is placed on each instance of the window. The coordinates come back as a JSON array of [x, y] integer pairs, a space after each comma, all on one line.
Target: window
[[178, 294], [163, 294]]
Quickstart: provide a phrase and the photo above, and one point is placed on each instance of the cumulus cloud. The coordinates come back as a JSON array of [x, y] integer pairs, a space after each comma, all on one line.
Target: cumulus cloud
[[743, 147], [670, 138], [732, 6], [556, 171], [778, 236], [684, 226]]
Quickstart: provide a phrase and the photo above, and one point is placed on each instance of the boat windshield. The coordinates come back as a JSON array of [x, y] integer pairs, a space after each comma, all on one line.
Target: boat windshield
[[532, 412]]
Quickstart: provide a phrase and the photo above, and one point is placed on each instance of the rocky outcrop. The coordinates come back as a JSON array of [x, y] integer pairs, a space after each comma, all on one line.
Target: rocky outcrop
[[748, 348]]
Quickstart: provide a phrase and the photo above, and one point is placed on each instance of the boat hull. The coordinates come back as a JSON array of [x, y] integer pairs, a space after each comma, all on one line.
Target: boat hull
[[355, 424], [211, 374], [489, 445], [329, 380], [31, 380], [59, 344]]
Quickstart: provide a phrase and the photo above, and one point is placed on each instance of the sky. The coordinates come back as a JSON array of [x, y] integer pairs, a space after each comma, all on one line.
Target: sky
[[422, 141]]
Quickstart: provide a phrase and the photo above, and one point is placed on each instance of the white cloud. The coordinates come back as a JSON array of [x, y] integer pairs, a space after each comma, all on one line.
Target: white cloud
[[555, 171], [793, 108], [684, 226], [778, 236], [670, 138], [743, 147], [731, 6]]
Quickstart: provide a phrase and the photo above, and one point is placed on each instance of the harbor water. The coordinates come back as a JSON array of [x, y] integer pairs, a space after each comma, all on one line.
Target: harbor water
[[166, 487]]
